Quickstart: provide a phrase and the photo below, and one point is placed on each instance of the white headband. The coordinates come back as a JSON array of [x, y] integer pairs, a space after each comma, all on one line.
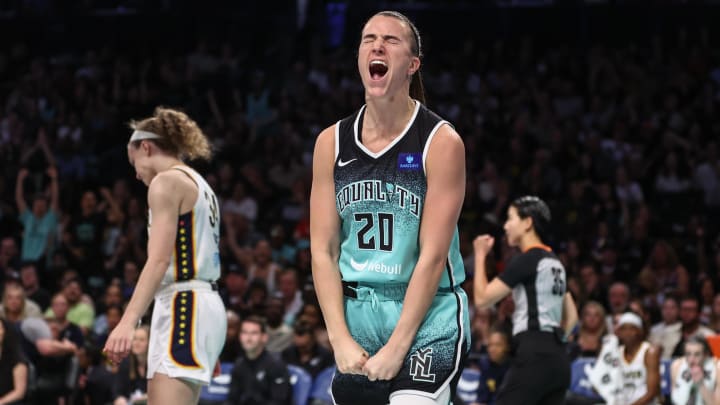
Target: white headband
[[629, 318], [140, 135]]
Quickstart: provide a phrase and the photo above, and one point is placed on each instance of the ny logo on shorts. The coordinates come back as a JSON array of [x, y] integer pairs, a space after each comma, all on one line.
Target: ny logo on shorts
[[420, 363]]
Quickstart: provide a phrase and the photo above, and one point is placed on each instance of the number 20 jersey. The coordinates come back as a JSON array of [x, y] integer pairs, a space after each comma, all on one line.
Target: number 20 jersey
[[380, 198]]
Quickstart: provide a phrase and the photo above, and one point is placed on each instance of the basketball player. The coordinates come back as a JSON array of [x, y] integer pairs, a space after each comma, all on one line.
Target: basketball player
[[388, 185], [544, 312], [695, 376], [188, 321]]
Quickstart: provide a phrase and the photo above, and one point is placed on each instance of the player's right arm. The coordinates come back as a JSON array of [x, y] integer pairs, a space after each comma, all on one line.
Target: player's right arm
[[325, 249]]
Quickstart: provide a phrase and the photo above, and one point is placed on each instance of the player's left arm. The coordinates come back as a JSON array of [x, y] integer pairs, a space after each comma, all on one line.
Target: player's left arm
[[164, 198], [445, 171], [652, 366]]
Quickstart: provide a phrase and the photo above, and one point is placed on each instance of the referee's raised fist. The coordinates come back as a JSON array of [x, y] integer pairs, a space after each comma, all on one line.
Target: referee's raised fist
[[483, 243]]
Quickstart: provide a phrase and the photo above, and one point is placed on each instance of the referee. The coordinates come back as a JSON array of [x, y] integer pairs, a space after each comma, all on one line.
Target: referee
[[544, 311]]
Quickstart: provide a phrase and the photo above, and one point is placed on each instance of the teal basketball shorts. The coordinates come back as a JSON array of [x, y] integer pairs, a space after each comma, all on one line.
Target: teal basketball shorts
[[435, 358]]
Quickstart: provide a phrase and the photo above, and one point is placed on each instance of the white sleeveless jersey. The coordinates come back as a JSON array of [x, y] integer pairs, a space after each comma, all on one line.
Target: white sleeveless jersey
[[634, 375], [683, 385], [196, 255]]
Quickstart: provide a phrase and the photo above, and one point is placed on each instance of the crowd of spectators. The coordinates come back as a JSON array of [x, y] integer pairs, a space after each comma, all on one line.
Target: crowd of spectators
[[621, 140]]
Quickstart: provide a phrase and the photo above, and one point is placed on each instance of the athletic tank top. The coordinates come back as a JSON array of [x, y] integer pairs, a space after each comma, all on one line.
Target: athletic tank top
[[196, 254], [379, 198], [634, 375], [682, 388]]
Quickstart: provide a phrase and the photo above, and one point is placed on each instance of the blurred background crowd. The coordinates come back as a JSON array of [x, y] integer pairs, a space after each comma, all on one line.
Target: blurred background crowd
[[612, 121]]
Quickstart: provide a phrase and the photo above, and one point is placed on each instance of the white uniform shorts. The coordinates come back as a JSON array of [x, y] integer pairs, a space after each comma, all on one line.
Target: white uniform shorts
[[187, 331]]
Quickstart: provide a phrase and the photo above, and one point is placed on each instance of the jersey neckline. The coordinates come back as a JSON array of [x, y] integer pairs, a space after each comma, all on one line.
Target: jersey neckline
[[389, 146]]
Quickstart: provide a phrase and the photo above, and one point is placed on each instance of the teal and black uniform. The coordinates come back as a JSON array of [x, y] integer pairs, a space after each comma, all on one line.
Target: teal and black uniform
[[380, 199]]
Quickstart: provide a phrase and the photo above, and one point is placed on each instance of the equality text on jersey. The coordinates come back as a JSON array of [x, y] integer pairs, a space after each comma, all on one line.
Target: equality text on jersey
[[377, 190]]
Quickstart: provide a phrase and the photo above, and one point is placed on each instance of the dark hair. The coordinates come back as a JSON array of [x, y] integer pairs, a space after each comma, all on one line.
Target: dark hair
[[535, 208], [302, 327], [11, 349], [258, 320], [699, 340], [417, 89], [693, 298]]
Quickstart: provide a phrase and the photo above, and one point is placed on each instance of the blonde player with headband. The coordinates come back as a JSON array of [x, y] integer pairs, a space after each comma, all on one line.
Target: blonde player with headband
[[188, 321]]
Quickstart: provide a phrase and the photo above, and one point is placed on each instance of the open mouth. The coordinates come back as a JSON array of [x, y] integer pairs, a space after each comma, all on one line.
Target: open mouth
[[378, 69]]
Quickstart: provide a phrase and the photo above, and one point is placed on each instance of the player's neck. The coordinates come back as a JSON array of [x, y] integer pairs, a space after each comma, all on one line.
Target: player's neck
[[631, 350], [529, 241], [388, 116], [166, 162]]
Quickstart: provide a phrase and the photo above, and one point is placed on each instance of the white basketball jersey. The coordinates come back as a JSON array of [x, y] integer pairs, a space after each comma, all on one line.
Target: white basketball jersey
[[683, 385], [196, 255], [634, 375]]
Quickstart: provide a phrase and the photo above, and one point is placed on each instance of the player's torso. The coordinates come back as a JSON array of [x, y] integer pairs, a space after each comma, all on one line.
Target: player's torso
[[380, 197], [195, 253]]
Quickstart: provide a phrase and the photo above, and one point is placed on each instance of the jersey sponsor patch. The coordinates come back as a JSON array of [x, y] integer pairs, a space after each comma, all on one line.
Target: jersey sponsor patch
[[409, 161]]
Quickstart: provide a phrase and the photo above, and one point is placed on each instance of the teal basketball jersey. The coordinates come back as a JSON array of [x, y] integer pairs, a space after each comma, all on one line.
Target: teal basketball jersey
[[380, 198]]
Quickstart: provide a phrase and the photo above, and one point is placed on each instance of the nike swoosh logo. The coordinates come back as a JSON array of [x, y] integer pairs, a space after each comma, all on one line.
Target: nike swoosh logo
[[341, 163]]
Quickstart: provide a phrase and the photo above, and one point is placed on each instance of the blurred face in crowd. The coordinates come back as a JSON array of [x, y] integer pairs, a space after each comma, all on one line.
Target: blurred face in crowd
[[236, 283], [140, 342], [498, 347], [670, 311], [385, 55], [311, 315], [288, 284], [304, 337], [588, 277], [88, 202], [113, 295], [515, 227], [14, 299], [72, 292], [694, 354], [59, 306], [628, 334], [689, 312], [592, 317], [619, 297], [39, 207], [28, 276], [274, 311], [263, 252], [130, 273], [8, 249], [233, 326], [252, 338], [113, 317]]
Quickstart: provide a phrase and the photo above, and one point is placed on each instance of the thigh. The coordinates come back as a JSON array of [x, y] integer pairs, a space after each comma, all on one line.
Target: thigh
[[165, 390], [443, 398]]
